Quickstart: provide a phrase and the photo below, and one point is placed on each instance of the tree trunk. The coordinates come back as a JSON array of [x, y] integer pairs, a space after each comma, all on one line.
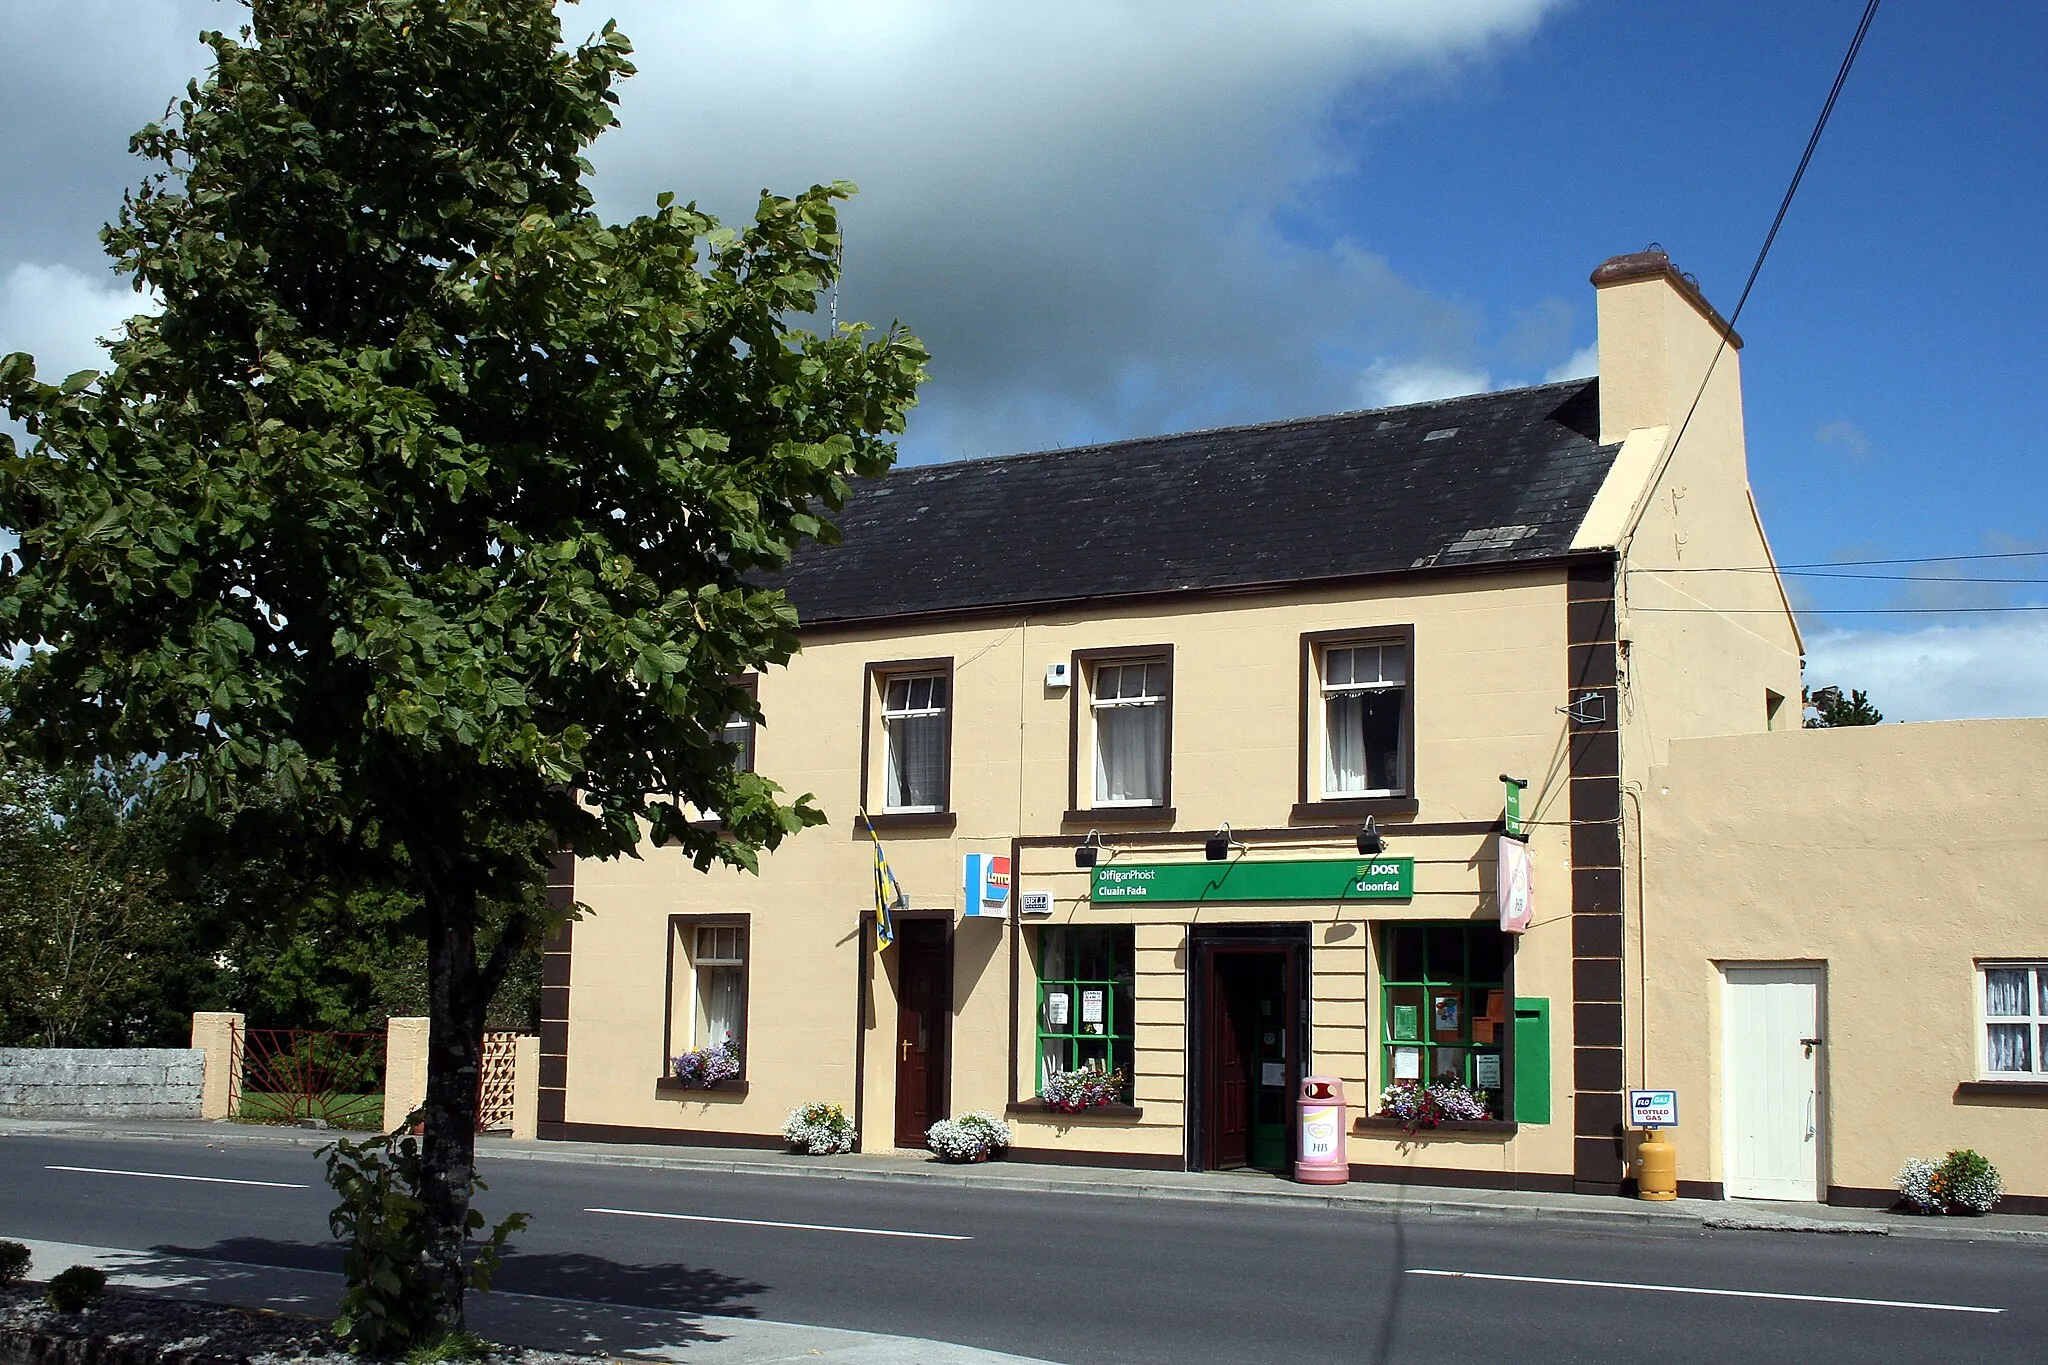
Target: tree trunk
[[454, 1056]]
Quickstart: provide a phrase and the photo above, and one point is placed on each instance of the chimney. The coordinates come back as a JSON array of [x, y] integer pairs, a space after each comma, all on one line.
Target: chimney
[[1657, 335]]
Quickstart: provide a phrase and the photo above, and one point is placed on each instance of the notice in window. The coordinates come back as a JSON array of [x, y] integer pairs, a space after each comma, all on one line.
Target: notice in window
[[1056, 1006], [1407, 1063], [1407, 1022], [1272, 1074], [1443, 1014], [1091, 1007], [1486, 1071]]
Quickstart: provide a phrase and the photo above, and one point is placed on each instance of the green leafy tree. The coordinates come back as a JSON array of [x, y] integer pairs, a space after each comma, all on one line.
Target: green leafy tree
[[86, 922], [1827, 708], [421, 533]]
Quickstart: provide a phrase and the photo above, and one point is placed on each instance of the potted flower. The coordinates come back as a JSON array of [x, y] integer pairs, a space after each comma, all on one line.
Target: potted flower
[[974, 1136], [1420, 1106], [1088, 1087], [820, 1129], [701, 1068]]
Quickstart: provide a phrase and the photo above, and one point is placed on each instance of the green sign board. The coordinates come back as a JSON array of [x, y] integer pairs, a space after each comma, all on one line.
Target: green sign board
[[1337, 879], [1512, 821]]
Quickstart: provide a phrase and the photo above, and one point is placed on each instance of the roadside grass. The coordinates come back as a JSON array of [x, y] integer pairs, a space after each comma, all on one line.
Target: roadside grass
[[364, 1113]]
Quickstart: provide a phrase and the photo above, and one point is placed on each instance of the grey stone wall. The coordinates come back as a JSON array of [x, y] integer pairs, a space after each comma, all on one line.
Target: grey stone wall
[[101, 1083]]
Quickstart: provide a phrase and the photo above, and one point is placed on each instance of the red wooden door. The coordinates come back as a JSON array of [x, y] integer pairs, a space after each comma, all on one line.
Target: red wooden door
[[921, 1010], [1229, 1087]]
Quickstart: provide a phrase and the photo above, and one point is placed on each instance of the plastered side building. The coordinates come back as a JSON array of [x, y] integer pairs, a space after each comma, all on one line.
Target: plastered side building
[[1244, 643]]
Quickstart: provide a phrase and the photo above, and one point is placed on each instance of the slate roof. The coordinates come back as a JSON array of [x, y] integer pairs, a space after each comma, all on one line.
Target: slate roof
[[1492, 478]]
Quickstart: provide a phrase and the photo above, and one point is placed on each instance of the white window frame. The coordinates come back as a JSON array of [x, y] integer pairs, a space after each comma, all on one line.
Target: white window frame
[[1096, 706], [2035, 1020], [689, 1026], [939, 678], [1327, 693]]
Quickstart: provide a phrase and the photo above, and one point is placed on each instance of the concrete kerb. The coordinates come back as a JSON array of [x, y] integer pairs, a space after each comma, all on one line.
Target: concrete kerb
[[1432, 1201]]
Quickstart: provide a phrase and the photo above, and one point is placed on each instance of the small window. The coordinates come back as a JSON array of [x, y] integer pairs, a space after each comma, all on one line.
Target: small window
[[1364, 688], [2014, 999], [1087, 995], [1127, 705], [707, 986], [1444, 1011], [739, 732], [914, 733]]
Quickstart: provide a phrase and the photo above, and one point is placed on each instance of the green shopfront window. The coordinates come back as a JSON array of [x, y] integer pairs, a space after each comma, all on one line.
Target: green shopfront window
[[1444, 1010], [1086, 999]]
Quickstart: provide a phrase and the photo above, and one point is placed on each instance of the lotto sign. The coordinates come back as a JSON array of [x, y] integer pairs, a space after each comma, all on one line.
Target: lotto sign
[[1653, 1108], [985, 884]]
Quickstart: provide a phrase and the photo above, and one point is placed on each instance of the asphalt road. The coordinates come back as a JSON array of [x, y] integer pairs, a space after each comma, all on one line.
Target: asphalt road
[[1075, 1278]]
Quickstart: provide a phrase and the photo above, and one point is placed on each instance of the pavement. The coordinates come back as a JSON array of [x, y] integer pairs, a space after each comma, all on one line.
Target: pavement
[[697, 1336]]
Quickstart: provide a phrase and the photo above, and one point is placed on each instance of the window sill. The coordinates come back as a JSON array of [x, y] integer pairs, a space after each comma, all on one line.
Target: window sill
[[1359, 806], [668, 1087], [1478, 1127], [922, 819], [1040, 1109], [1122, 815], [2014, 1089]]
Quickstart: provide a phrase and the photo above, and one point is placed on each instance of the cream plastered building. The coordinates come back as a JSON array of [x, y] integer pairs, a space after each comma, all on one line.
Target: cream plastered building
[[1250, 643], [1846, 960]]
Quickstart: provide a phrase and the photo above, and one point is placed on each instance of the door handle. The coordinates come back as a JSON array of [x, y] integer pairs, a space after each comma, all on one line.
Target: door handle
[[904, 1055], [1809, 1116], [1810, 1044]]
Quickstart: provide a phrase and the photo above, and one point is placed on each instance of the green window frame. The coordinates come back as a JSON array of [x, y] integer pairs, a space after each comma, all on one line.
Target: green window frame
[[1085, 971], [1444, 1008]]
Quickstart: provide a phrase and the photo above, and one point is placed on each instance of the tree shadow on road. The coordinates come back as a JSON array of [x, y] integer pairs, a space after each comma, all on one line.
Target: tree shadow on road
[[548, 1300]]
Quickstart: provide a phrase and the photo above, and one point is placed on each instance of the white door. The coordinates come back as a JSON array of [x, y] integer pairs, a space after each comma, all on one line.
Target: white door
[[1771, 1098]]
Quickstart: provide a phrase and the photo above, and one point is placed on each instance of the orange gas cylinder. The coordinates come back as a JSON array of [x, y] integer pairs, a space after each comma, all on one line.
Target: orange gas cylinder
[[1656, 1167]]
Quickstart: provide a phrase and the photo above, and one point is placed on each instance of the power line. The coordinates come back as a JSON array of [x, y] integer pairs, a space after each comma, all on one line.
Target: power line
[[1837, 563], [1830, 611], [1784, 206]]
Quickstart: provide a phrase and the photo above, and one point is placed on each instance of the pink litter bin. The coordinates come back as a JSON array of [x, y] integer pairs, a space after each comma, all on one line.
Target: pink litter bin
[[1320, 1157]]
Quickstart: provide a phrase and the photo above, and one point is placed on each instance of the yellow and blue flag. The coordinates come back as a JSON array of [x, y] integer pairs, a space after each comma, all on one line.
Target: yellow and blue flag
[[889, 896]]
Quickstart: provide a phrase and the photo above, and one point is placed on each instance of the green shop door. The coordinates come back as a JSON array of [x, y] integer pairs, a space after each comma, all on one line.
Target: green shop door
[[1251, 1061]]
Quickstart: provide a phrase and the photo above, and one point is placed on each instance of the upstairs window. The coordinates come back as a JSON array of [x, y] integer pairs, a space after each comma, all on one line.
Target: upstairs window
[[1364, 696], [1127, 705], [739, 732], [914, 740]]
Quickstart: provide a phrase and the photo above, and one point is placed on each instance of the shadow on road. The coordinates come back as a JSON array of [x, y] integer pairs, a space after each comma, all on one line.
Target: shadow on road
[[550, 1300]]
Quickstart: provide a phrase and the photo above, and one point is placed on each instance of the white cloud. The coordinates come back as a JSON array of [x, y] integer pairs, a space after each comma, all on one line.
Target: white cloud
[[59, 315], [1578, 365], [1848, 438], [1389, 384], [1072, 202], [1997, 667]]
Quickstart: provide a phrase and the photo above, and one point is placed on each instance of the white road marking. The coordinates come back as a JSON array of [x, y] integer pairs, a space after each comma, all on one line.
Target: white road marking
[[162, 1175], [1715, 1293], [800, 1227]]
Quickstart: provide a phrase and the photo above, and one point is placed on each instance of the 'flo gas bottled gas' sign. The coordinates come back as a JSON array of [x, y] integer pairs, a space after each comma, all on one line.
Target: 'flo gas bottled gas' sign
[[1328, 879]]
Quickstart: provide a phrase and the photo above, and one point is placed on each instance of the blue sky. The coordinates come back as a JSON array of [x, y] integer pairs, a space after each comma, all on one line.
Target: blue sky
[[1117, 217]]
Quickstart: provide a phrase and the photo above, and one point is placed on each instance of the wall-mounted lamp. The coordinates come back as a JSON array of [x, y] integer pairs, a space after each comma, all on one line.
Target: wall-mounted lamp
[[1090, 848], [1371, 842], [1217, 847]]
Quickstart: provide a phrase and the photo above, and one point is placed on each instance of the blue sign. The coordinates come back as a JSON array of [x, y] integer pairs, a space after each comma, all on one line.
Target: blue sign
[[985, 884]]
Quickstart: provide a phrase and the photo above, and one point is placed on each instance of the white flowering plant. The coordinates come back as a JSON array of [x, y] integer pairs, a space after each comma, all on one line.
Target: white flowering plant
[[1916, 1185], [820, 1129], [974, 1136], [1961, 1182]]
